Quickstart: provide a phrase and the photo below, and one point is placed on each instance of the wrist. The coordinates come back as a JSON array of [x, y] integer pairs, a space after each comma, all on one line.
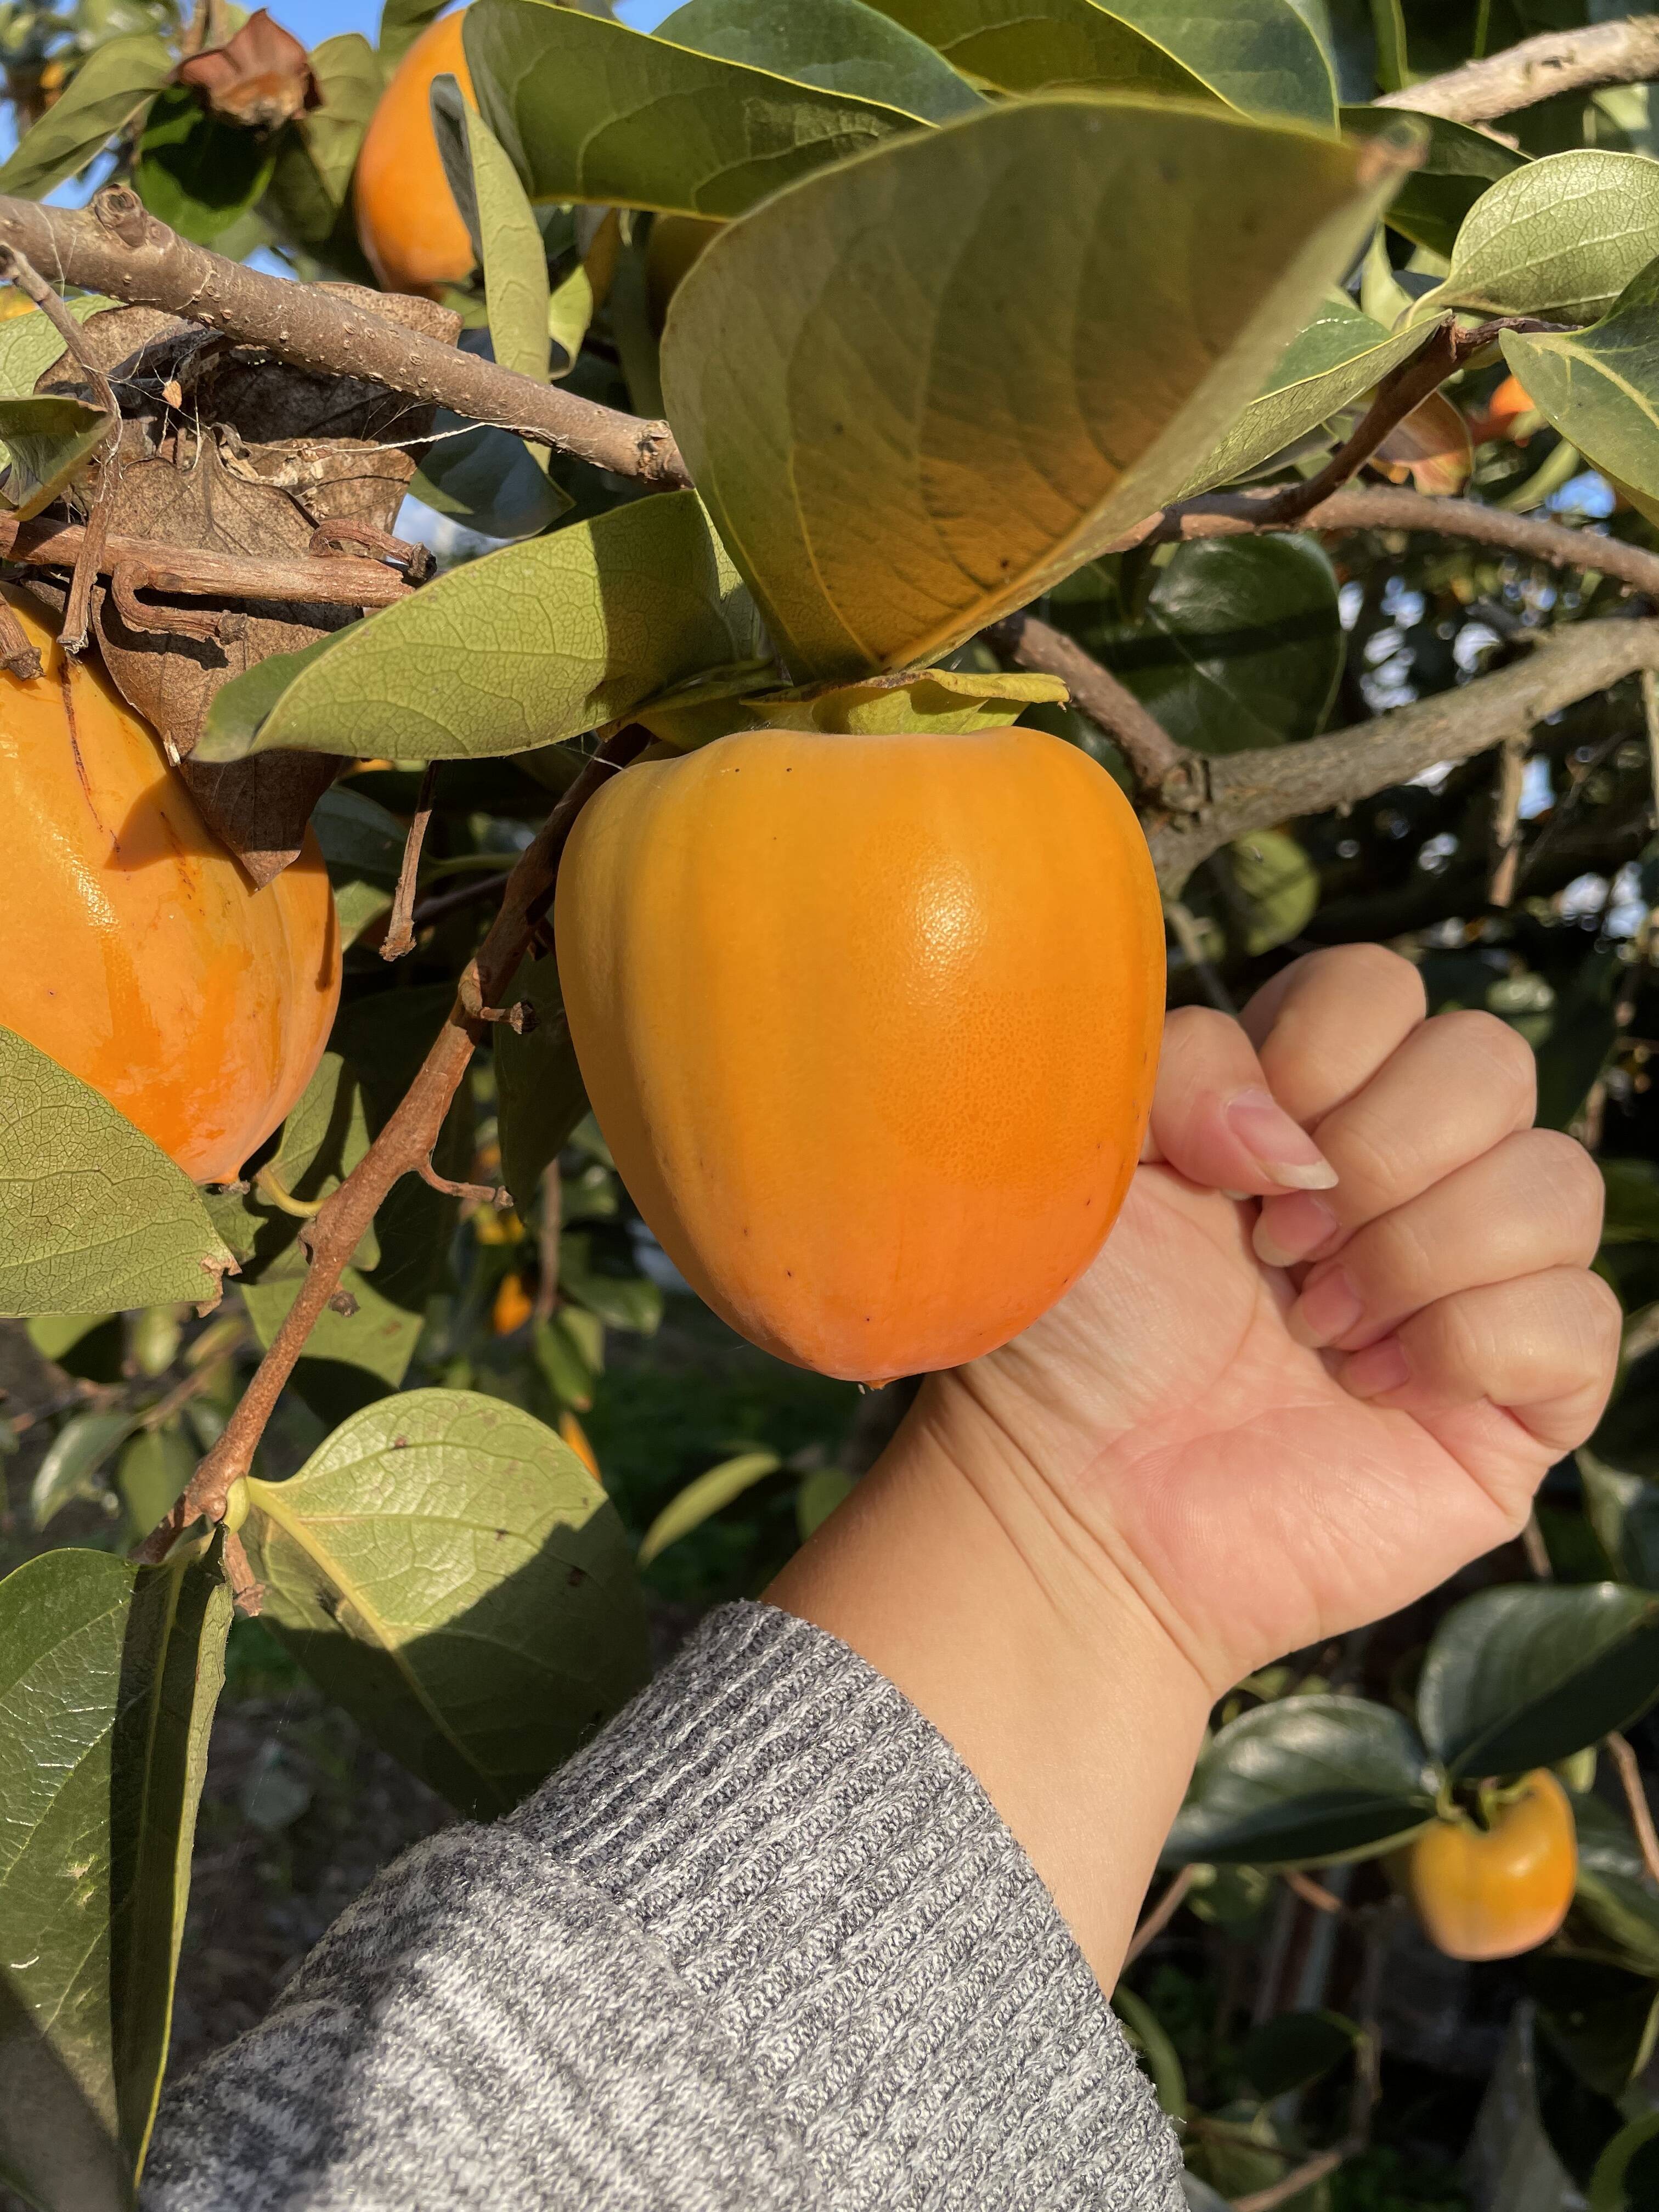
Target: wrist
[[961, 1574]]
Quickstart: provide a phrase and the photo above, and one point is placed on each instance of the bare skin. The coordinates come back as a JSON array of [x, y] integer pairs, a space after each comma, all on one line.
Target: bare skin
[[1257, 1422]]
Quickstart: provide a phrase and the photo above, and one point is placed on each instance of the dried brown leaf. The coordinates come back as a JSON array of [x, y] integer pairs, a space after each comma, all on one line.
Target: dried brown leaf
[[260, 79]]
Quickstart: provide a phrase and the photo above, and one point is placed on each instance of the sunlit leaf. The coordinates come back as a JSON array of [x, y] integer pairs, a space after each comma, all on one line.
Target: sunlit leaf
[[505, 235], [1600, 386], [117, 78], [704, 1497], [839, 45], [51, 440], [1562, 237], [73, 1459]]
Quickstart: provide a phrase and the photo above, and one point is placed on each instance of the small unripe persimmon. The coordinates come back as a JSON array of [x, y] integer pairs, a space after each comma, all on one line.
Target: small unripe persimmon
[[409, 226], [138, 954], [1492, 1892], [870, 1025]]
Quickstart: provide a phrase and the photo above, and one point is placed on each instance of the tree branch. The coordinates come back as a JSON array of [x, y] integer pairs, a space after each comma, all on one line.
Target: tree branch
[[116, 245], [1561, 61], [1256, 790], [1160, 1916], [1150, 751], [330, 580], [402, 1147]]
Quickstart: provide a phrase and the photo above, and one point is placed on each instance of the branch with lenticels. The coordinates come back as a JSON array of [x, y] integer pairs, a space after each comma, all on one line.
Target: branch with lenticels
[[1625, 53]]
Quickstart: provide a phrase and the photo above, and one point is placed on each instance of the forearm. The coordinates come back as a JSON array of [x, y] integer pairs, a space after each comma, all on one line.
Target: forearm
[[958, 1573]]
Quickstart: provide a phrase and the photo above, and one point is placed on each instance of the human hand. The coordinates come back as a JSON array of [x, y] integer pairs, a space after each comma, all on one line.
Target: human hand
[[1275, 1421]]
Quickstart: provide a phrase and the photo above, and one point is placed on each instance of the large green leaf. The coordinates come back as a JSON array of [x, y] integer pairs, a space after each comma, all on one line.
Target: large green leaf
[[449, 1569], [1600, 386], [523, 648], [1518, 1678], [710, 1493], [1255, 54], [1623, 1511], [402, 22], [1333, 359], [197, 173], [1240, 644], [1614, 1897], [73, 1458], [310, 185], [956, 701], [30, 343], [110, 87], [485, 479], [108, 1677], [91, 1214], [1560, 238], [538, 1086], [1601, 2018], [588, 110], [888, 482], [1458, 166], [839, 45], [1303, 1781], [1625, 2178], [51, 440], [505, 234]]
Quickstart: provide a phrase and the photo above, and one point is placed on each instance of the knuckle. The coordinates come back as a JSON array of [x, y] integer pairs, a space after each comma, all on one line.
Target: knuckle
[[1603, 1321], [1490, 1051], [1556, 1169]]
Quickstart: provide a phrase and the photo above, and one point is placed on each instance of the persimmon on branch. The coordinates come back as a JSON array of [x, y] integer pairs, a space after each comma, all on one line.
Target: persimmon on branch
[[1560, 60]]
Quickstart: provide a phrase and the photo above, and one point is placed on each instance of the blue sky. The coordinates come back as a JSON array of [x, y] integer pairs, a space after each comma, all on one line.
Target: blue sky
[[312, 20]]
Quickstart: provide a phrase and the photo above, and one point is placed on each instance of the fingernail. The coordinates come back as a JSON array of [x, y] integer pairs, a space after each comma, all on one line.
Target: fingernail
[[1283, 1149], [1289, 1229], [1377, 1369], [1327, 1309]]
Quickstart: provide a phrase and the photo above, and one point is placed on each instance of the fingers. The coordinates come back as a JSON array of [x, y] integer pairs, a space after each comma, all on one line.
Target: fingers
[[1543, 1348], [1215, 1119], [1455, 1086], [1325, 1024], [1533, 1202]]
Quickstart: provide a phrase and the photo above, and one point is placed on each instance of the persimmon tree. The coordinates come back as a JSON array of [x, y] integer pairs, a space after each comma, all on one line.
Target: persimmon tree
[[1264, 400]]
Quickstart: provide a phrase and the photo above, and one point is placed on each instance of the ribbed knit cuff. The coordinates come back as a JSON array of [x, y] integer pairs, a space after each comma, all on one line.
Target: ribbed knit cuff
[[821, 1867]]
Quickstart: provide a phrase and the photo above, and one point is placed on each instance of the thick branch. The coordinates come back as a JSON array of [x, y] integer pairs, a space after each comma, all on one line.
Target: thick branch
[[333, 580], [1256, 790], [116, 246], [1561, 61], [1150, 751], [402, 1147]]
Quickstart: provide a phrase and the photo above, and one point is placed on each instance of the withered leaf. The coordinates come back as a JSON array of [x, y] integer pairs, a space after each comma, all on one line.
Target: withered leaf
[[261, 78]]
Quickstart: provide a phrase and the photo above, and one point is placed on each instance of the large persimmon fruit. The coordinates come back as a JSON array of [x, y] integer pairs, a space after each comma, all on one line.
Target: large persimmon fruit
[[1491, 1892], [408, 223], [870, 1025], [138, 954]]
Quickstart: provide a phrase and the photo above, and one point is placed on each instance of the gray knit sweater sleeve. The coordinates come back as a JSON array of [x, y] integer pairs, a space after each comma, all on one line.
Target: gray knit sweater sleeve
[[764, 1944]]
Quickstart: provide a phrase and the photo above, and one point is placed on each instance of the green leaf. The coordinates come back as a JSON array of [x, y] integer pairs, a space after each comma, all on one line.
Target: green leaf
[[955, 701], [448, 1569], [1388, 26], [1623, 1511], [309, 196], [1150, 2037], [402, 22], [1600, 387], [1333, 359], [154, 1470], [588, 110], [322, 1141], [505, 234], [485, 479], [707, 1495], [1631, 1216], [1279, 885], [1614, 1899], [53, 1334], [91, 1213], [1255, 54], [30, 345], [1458, 167], [1240, 645], [1303, 1781], [568, 1351], [366, 1351], [1601, 2019], [358, 836], [538, 1086], [839, 45], [820, 1493], [108, 1677], [1626, 2175], [114, 81], [50, 441], [630, 1302], [1562, 238], [1520, 1677], [241, 708], [197, 173], [1294, 2049], [73, 1458], [947, 466], [523, 648]]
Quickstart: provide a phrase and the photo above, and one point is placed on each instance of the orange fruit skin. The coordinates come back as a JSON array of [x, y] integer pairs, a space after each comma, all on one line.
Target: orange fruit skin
[[576, 1436], [513, 1307], [871, 1026], [408, 223], [138, 955], [1492, 1894]]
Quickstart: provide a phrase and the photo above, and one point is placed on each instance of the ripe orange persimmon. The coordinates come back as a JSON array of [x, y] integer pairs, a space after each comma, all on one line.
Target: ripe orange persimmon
[[576, 1436], [512, 1307], [408, 223], [1489, 1893], [870, 1024], [1511, 402], [137, 953]]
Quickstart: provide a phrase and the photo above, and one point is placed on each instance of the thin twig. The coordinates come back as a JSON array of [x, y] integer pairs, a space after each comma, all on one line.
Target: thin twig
[[116, 245], [1293, 2184], [399, 930], [1311, 1892], [1182, 921], [1537, 1551], [1506, 818], [1537, 69], [1651, 720], [1636, 1796], [1160, 1916], [334, 580], [77, 608], [404, 1146], [1157, 759]]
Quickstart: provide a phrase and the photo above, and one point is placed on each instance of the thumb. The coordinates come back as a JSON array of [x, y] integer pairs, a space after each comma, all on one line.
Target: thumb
[[1216, 1122]]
